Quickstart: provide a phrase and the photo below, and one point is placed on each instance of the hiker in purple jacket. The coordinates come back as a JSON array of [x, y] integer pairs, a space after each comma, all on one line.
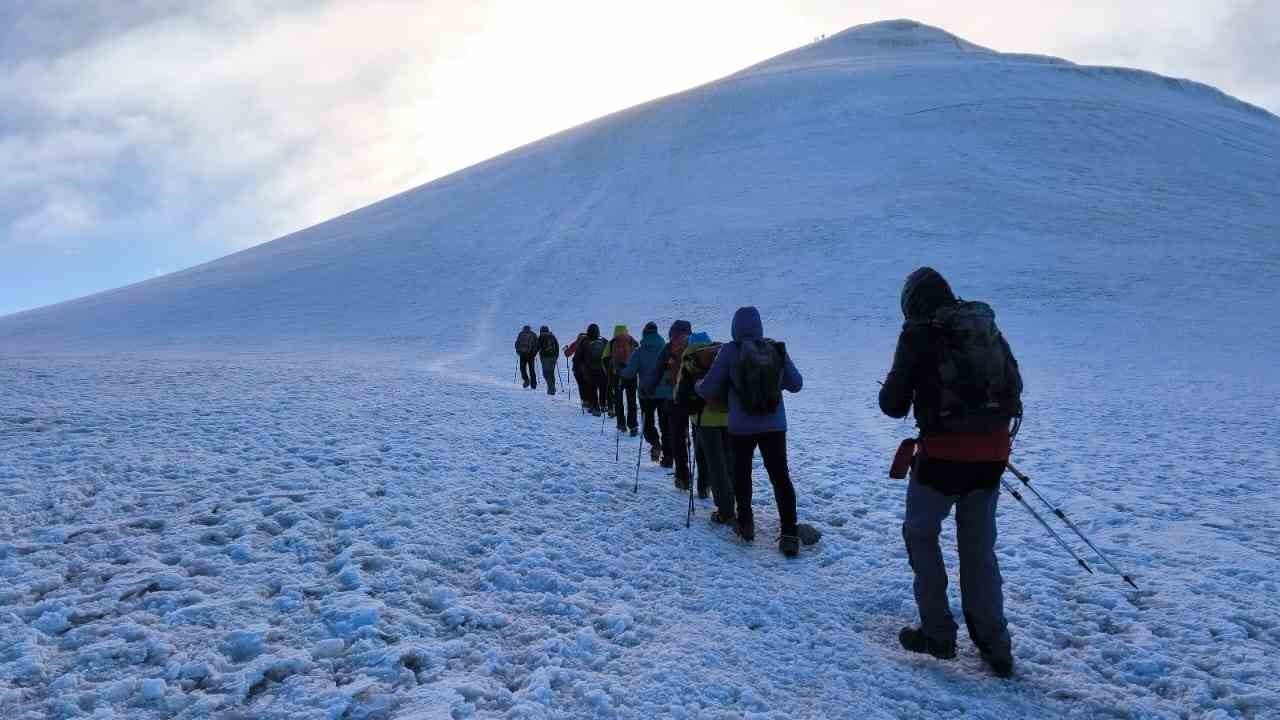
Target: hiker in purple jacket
[[748, 431]]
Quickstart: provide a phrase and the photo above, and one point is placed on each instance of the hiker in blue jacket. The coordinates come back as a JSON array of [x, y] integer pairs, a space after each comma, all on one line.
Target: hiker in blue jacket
[[748, 431], [642, 366]]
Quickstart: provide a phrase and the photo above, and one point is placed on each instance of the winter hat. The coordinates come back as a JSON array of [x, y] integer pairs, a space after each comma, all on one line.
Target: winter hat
[[593, 331], [619, 330], [545, 329], [923, 293], [679, 327], [526, 327], [699, 338], [650, 327]]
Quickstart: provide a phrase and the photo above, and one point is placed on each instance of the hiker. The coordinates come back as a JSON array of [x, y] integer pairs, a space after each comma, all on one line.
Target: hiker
[[619, 352], [751, 373], [549, 354], [526, 350], [595, 382], [571, 350], [677, 422], [710, 420], [639, 369], [963, 410]]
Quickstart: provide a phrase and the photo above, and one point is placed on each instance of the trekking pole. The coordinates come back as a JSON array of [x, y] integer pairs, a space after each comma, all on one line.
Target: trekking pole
[[1063, 517], [617, 445], [639, 449], [1018, 496], [688, 468]]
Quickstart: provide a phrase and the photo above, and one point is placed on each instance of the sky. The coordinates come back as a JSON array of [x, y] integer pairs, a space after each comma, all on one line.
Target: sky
[[140, 137]]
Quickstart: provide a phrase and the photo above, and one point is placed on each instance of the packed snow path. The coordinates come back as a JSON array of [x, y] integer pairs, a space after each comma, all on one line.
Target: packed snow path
[[277, 538]]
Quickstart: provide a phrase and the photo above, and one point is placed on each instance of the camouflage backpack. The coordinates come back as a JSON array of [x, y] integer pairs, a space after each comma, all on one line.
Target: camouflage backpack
[[980, 387]]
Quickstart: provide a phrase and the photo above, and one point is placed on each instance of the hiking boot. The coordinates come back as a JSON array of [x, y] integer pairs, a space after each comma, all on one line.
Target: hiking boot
[[914, 640], [667, 462], [681, 483], [611, 414], [745, 529], [719, 519], [655, 453], [1000, 665], [789, 545], [703, 492], [634, 432], [595, 412]]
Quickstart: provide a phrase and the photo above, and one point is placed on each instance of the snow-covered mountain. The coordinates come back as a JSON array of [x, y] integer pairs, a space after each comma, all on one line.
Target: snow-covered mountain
[[296, 481]]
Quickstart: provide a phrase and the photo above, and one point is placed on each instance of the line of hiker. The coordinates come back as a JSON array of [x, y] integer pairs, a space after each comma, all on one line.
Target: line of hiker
[[952, 367]]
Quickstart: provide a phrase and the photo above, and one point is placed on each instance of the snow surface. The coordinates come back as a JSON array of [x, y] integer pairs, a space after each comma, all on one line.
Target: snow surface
[[298, 482]]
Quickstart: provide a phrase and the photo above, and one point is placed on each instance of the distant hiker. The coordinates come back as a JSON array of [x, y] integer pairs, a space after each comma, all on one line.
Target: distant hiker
[[677, 419], [750, 374], [595, 382], [710, 423], [956, 369], [640, 369], [571, 350], [526, 350], [620, 350], [549, 354]]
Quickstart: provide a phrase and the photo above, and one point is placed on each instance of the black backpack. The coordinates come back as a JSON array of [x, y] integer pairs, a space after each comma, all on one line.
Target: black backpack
[[757, 376], [526, 342], [548, 346], [980, 387], [595, 353]]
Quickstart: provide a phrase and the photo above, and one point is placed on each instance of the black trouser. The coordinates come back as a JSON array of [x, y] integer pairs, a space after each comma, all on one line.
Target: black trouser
[[649, 409], [664, 420], [527, 373], [700, 462], [598, 390], [678, 432], [625, 388], [773, 450], [581, 383]]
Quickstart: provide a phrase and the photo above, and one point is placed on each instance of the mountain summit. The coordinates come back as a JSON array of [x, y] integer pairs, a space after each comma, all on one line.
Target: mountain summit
[[888, 39]]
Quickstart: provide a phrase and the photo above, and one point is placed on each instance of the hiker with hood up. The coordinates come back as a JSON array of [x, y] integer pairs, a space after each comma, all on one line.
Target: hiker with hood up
[[710, 423], [961, 454], [619, 353], [571, 351], [750, 374], [549, 354], [526, 350], [677, 424], [640, 369], [595, 382]]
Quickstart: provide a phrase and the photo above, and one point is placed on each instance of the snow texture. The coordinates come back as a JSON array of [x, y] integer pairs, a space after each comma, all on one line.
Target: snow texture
[[298, 482]]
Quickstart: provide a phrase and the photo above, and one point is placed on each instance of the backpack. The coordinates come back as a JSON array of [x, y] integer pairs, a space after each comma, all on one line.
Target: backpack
[[757, 376], [526, 342], [549, 347], [622, 348], [595, 353], [980, 387]]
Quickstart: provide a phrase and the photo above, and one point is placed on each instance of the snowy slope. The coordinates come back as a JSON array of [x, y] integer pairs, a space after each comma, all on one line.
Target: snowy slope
[[297, 478]]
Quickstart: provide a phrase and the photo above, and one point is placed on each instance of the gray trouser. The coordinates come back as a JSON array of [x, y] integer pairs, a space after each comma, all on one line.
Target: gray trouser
[[713, 442], [549, 373], [981, 595]]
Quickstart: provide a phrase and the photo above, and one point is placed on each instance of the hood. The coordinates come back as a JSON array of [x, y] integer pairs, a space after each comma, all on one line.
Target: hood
[[923, 293], [593, 331], [747, 324], [526, 328], [699, 338], [619, 330], [545, 329], [651, 327], [679, 327]]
